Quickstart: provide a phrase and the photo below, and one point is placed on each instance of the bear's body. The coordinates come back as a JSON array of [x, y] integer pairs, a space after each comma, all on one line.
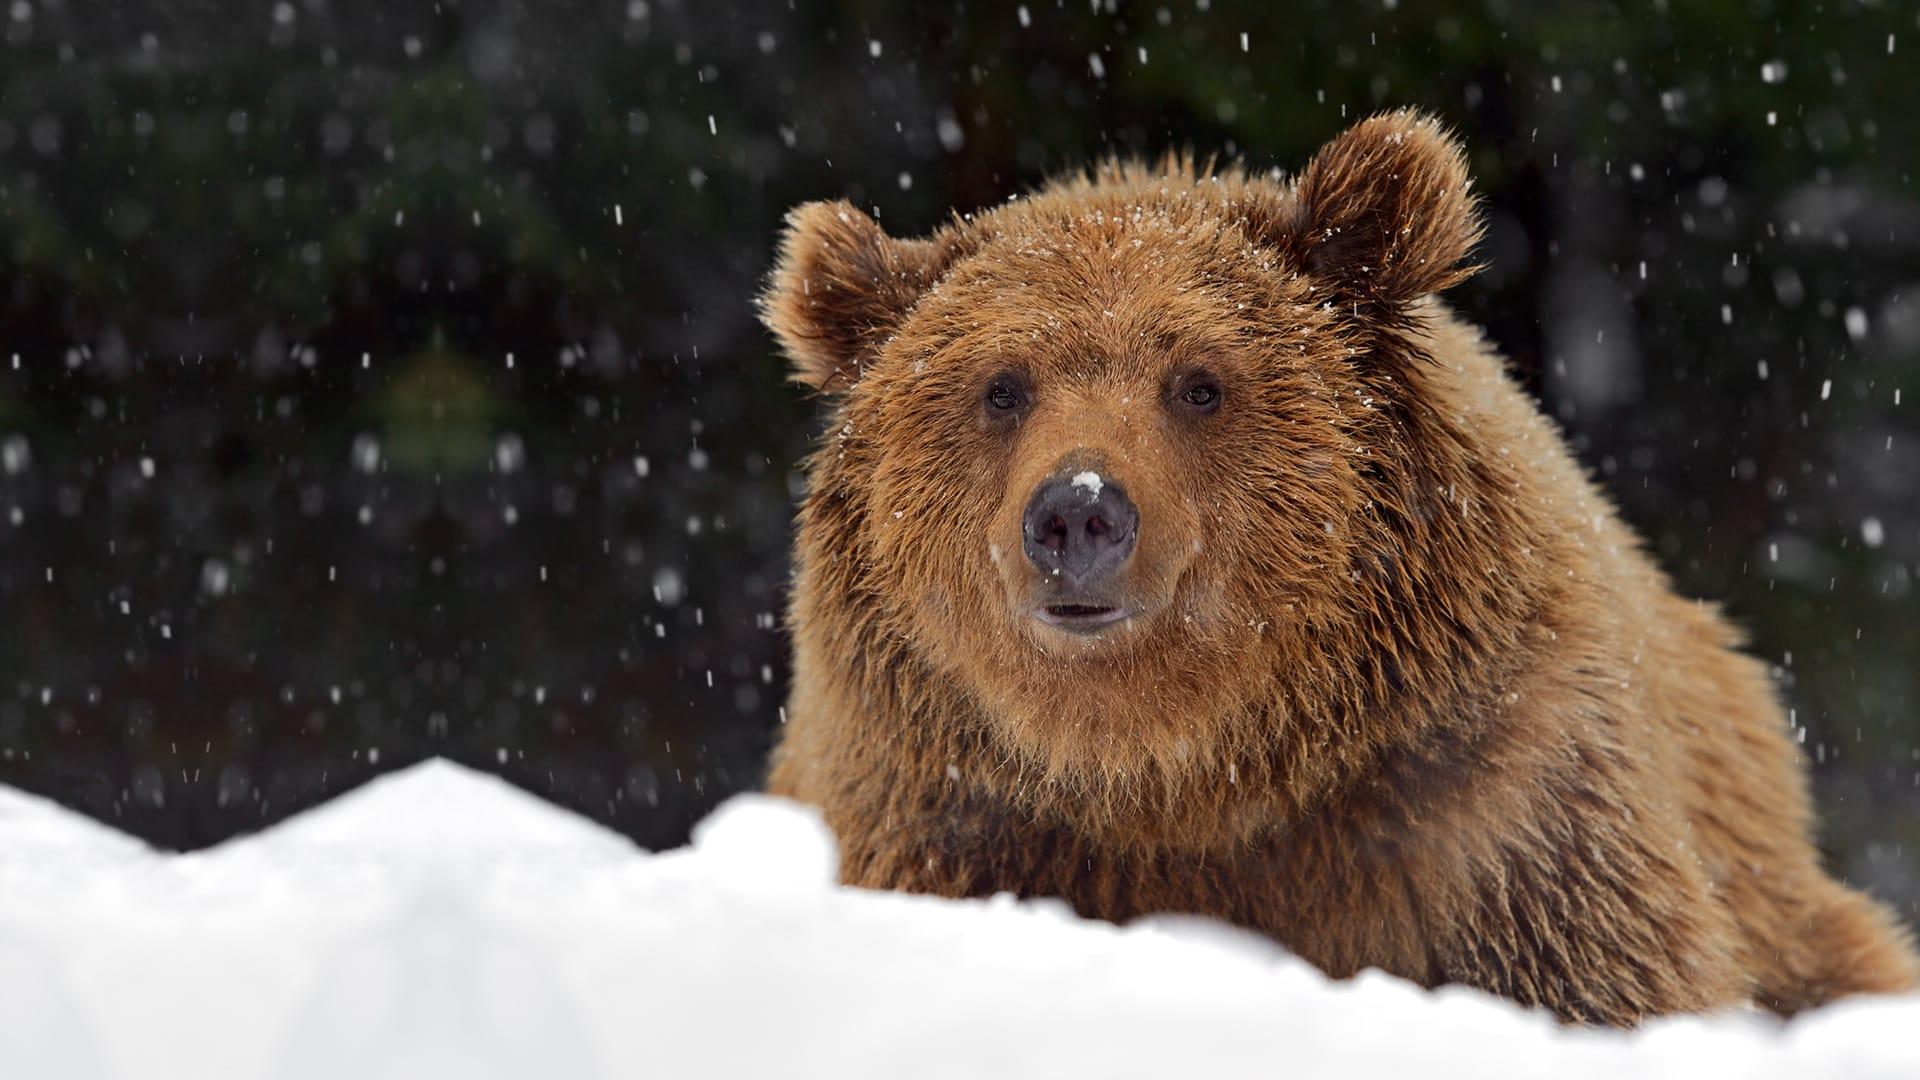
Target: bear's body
[[1349, 653]]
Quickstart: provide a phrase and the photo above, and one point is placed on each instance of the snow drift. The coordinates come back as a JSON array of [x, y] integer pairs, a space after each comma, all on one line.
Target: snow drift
[[440, 923]]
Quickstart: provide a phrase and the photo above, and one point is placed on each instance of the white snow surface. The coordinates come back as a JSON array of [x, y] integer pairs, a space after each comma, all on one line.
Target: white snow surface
[[441, 923]]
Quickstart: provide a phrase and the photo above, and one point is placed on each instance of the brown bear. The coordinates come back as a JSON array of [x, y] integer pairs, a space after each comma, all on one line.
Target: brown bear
[[1172, 549]]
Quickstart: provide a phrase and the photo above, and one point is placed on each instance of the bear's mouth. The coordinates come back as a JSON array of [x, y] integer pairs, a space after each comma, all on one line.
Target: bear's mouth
[[1079, 617]]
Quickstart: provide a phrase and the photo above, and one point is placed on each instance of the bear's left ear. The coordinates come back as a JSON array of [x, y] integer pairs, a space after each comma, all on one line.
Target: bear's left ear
[[840, 287], [1383, 213]]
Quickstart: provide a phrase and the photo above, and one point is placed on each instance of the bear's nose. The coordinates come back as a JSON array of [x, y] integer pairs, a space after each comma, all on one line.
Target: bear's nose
[[1080, 528]]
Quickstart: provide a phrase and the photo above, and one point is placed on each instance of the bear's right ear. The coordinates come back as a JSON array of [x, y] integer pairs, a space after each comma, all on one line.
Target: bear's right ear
[[840, 287]]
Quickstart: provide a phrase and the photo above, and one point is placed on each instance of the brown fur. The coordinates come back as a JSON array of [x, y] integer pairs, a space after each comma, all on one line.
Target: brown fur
[[1403, 691]]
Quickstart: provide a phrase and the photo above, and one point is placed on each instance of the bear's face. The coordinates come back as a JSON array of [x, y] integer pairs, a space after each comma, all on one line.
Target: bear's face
[[1110, 448], [1071, 487]]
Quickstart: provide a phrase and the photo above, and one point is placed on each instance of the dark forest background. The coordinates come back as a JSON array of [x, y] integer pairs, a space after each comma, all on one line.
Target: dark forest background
[[381, 380]]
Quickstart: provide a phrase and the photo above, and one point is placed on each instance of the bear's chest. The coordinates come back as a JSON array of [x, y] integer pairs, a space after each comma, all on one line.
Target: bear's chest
[[1339, 900]]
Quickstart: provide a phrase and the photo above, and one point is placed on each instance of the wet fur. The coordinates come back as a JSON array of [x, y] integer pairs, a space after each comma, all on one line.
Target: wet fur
[[1420, 700]]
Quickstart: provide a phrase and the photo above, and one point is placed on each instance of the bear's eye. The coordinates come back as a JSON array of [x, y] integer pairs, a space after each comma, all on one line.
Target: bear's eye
[[1004, 397], [1200, 394]]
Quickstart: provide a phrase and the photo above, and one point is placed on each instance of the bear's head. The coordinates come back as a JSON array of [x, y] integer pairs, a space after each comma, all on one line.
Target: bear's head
[[1133, 461]]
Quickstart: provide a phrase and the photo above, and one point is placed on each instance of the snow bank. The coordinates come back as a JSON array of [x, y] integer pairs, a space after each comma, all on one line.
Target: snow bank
[[439, 923]]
